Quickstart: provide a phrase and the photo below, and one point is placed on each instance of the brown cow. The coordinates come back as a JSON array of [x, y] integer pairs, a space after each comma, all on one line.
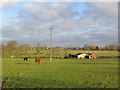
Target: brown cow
[[37, 60]]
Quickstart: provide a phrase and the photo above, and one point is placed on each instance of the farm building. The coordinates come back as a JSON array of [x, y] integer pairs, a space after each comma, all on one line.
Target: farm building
[[81, 56], [90, 55]]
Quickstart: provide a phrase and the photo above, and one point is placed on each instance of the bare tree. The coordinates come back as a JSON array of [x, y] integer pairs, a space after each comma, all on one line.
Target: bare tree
[[90, 47], [111, 47], [11, 46], [24, 48]]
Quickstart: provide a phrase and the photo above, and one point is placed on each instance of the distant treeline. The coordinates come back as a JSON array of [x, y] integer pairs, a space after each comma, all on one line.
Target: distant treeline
[[12, 47]]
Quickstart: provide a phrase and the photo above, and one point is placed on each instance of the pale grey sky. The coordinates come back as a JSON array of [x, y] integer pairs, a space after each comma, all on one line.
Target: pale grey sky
[[74, 23]]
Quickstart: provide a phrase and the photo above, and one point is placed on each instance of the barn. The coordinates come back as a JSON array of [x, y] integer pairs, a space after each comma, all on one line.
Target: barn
[[82, 56], [93, 56]]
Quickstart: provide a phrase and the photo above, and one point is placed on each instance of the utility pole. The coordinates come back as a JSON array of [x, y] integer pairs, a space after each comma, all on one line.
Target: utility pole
[[50, 45]]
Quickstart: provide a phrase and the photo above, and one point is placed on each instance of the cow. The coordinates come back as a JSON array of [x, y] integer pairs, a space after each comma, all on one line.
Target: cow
[[37, 60], [25, 59]]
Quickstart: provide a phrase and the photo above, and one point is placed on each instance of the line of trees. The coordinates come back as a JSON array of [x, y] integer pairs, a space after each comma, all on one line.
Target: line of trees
[[13, 48], [113, 47]]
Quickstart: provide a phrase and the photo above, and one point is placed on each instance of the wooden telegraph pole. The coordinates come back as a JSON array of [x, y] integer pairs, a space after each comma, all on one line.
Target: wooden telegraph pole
[[50, 45]]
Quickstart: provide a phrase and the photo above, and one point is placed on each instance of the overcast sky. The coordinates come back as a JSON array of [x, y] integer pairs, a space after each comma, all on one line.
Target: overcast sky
[[73, 23]]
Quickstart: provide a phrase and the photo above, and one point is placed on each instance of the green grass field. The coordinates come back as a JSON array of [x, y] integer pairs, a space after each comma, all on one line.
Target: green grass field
[[61, 73]]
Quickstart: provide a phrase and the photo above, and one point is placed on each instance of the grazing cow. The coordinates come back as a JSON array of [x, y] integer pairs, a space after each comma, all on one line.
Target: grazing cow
[[25, 59], [37, 60]]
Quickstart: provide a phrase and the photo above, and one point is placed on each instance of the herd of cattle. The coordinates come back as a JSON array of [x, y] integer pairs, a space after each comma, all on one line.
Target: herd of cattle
[[81, 56], [37, 60]]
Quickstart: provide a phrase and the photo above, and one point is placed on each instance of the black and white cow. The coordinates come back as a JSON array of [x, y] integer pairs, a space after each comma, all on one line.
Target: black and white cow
[[25, 59]]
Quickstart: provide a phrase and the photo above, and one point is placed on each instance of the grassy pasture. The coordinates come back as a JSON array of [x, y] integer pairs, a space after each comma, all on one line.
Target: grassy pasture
[[61, 73]]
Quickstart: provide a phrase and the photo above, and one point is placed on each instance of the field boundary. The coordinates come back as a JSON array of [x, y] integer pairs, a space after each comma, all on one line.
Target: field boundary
[[66, 58]]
